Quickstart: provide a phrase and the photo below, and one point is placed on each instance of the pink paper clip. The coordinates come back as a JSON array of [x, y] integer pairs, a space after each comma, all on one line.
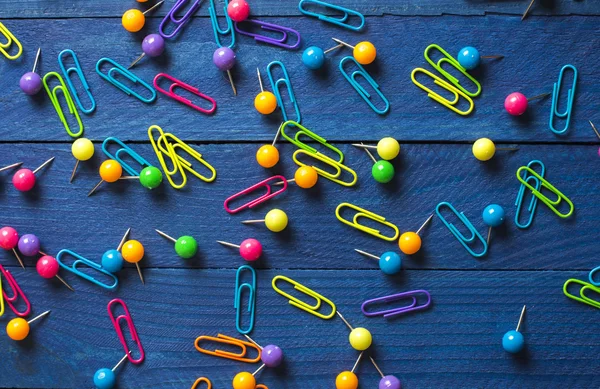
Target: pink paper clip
[[134, 334], [177, 83], [16, 292], [261, 199], [412, 295]]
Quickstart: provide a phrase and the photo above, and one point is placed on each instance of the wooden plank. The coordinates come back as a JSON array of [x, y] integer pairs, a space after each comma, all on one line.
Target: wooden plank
[[532, 68], [39, 9], [455, 343], [426, 175]]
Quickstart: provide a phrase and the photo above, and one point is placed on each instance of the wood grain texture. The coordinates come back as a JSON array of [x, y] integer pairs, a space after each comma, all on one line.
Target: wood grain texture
[[534, 57], [456, 343]]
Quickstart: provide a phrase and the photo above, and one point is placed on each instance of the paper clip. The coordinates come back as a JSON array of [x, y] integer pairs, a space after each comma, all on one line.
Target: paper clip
[[305, 131], [538, 193], [239, 288], [591, 276], [413, 294], [127, 150], [457, 234], [312, 309], [54, 99], [177, 83], [1, 299], [241, 356], [361, 91], [533, 203], [452, 61], [179, 22], [77, 70], [270, 27], [212, 12], [119, 69], [583, 299], [86, 262], [341, 21], [570, 99], [134, 335], [259, 200], [200, 380], [369, 215], [12, 283], [337, 166], [445, 102], [10, 39], [275, 86]]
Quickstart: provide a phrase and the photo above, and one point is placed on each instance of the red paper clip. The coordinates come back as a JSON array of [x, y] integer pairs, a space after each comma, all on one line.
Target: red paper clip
[[16, 292], [134, 334], [177, 83], [261, 199]]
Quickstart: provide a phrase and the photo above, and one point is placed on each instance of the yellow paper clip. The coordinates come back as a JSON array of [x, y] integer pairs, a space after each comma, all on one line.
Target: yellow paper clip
[[323, 158], [1, 299], [312, 309], [369, 215], [452, 61], [10, 39], [585, 286], [224, 339], [538, 193], [70, 103], [445, 102]]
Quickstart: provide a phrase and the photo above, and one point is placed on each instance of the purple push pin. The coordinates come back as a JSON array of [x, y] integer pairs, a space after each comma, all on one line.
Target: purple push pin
[[31, 82], [387, 381], [29, 245], [271, 356], [153, 45], [224, 58]]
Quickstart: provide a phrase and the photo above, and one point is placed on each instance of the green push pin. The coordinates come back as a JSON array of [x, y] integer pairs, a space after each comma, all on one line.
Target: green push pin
[[382, 171], [185, 246], [150, 177]]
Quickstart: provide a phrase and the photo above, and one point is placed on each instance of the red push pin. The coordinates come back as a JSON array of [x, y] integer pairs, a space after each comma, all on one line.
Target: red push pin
[[516, 103], [250, 249], [47, 267], [24, 179]]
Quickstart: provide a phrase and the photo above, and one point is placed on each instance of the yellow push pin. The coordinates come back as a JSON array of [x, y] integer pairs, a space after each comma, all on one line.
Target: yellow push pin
[[82, 149], [276, 220], [484, 149], [387, 148], [133, 20], [364, 52], [360, 338], [18, 328]]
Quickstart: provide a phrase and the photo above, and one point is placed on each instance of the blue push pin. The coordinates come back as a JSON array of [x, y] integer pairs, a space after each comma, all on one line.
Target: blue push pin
[[112, 260], [493, 216], [513, 341], [106, 378], [469, 58], [314, 57], [389, 262]]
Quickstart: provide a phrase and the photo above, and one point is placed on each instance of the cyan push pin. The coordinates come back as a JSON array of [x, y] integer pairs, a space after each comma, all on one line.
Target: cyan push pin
[[513, 341], [389, 262], [493, 216], [469, 57]]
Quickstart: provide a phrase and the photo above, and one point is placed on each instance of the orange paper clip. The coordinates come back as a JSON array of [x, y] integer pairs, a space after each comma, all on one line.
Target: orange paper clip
[[226, 354], [202, 379]]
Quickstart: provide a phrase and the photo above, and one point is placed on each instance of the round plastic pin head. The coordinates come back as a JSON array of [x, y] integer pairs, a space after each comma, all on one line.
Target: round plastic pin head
[[244, 380], [484, 149], [267, 156], [513, 340], [110, 170], [276, 220], [30, 83], [388, 148], [29, 245], [271, 355], [390, 263], [468, 57], [151, 177], [132, 251], [313, 57], [186, 246], [493, 215], [346, 380], [250, 249], [306, 177], [516, 104], [82, 149], [224, 58], [24, 179], [47, 267], [265, 102], [18, 328], [112, 260], [360, 339], [410, 242], [133, 20], [364, 53], [153, 45], [105, 379], [9, 238], [238, 10], [383, 172]]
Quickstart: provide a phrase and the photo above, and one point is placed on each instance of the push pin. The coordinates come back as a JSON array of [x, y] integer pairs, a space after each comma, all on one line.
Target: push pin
[[24, 179], [410, 242], [364, 52], [382, 171], [18, 328], [516, 103], [153, 45], [82, 149], [29, 245], [267, 156], [47, 267], [347, 379], [389, 262], [224, 59], [265, 102], [276, 220], [493, 216], [9, 239], [15, 165], [597, 134], [513, 341], [314, 57], [31, 82], [305, 177], [360, 338], [387, 381], [484, 149], [238, 10], [387, 148], [105, 378], [112, 171], [185, 246], [133, 252], [112, 260], [250, 249], [469, 58], [527, 10], [133, 20]]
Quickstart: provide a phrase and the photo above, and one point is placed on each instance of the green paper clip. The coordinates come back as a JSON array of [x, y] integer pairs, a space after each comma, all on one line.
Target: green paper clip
[[452, 61], [54, 99], [301, 145], [583, 299], [538, 193]]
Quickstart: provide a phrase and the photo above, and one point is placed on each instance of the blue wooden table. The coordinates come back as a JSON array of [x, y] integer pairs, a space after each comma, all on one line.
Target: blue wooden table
[[454, 344]]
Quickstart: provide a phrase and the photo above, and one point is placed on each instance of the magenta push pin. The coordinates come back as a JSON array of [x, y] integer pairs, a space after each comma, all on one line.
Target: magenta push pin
[[24, 179], [597, 133], [9, 239], [224, 59], [238, 10], [31, 82], [47, 267], [250, 249], [153, 45], [516, 103]]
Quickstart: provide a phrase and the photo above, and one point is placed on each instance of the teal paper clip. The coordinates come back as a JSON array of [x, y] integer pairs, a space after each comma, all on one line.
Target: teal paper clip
[[77, 70], [521, 194], [457, 234], [217, 31], [127, 150], [361, 91], [305, 131], [275, 86], [340, 21], [119, 69], [454, 62], [570, 98], [591, 276], [81, 260], [54, 99], [239, 288], [538, 192], [583, 298]]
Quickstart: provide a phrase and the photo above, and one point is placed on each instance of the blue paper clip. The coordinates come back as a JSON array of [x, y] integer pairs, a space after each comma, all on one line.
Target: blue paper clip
[[215, 24], [591, 276], [179, 22], [533, 203], [361, 91], [275, 86], [454, 62], [460, 237], [77, 70], [570, 99], [127, 150], [341, 21], [251, 298], [81, 260], [127, 74]]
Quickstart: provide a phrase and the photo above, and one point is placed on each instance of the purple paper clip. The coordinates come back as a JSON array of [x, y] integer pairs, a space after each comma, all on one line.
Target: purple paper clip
[[413, 294], [178, 22], [270, 27]]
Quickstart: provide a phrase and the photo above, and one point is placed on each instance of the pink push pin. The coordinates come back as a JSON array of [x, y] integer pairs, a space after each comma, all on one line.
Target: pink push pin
[[516, 103], [9, 239], [24, 179], [47, 267], [238, 10], [250, 249], [597, 133]]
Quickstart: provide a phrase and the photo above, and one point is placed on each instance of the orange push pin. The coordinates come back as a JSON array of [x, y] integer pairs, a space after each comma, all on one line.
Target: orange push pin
[[268, 155], [305, 177], [265, 102], [133, 252], [364, 52], [18, 328], [410, 242], [133, 20], [110, 171], [347, 379]]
